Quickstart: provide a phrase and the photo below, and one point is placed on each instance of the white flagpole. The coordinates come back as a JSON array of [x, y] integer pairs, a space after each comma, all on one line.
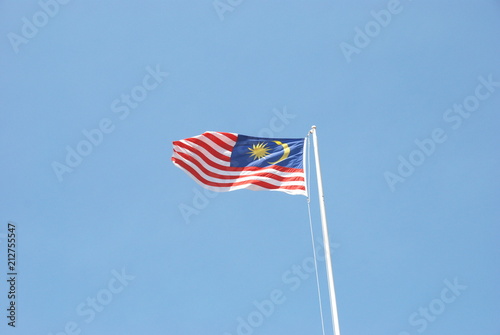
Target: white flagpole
[[326, 240]]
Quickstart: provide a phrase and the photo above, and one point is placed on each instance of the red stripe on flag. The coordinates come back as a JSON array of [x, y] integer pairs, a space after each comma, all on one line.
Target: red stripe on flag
[[188, 150], [231, 136], [219, 142], [207, 147]]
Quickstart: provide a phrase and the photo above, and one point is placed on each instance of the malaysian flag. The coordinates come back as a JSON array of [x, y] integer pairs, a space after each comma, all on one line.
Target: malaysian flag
[[225, 162]]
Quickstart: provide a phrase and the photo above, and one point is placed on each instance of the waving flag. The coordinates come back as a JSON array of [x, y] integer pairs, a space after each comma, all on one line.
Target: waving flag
[[226, 162]]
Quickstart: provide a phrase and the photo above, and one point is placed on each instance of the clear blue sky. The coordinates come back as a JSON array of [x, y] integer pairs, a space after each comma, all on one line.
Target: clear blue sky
[[406, 98]]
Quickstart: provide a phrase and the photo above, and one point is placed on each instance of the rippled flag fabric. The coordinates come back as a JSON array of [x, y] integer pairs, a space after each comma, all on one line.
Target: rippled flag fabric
[[226, 162]]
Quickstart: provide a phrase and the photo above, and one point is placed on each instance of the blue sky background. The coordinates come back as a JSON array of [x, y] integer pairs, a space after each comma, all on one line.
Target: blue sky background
[[119, 209]]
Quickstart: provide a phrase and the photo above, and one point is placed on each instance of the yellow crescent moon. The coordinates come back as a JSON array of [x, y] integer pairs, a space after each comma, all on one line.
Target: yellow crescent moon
[[286, 152]]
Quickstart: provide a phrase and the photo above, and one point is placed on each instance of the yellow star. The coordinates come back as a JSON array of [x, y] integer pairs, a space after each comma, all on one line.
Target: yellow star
[[259, 150]]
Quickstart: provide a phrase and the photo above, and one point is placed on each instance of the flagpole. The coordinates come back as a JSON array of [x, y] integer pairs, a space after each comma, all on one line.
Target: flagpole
[[326, 240]]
